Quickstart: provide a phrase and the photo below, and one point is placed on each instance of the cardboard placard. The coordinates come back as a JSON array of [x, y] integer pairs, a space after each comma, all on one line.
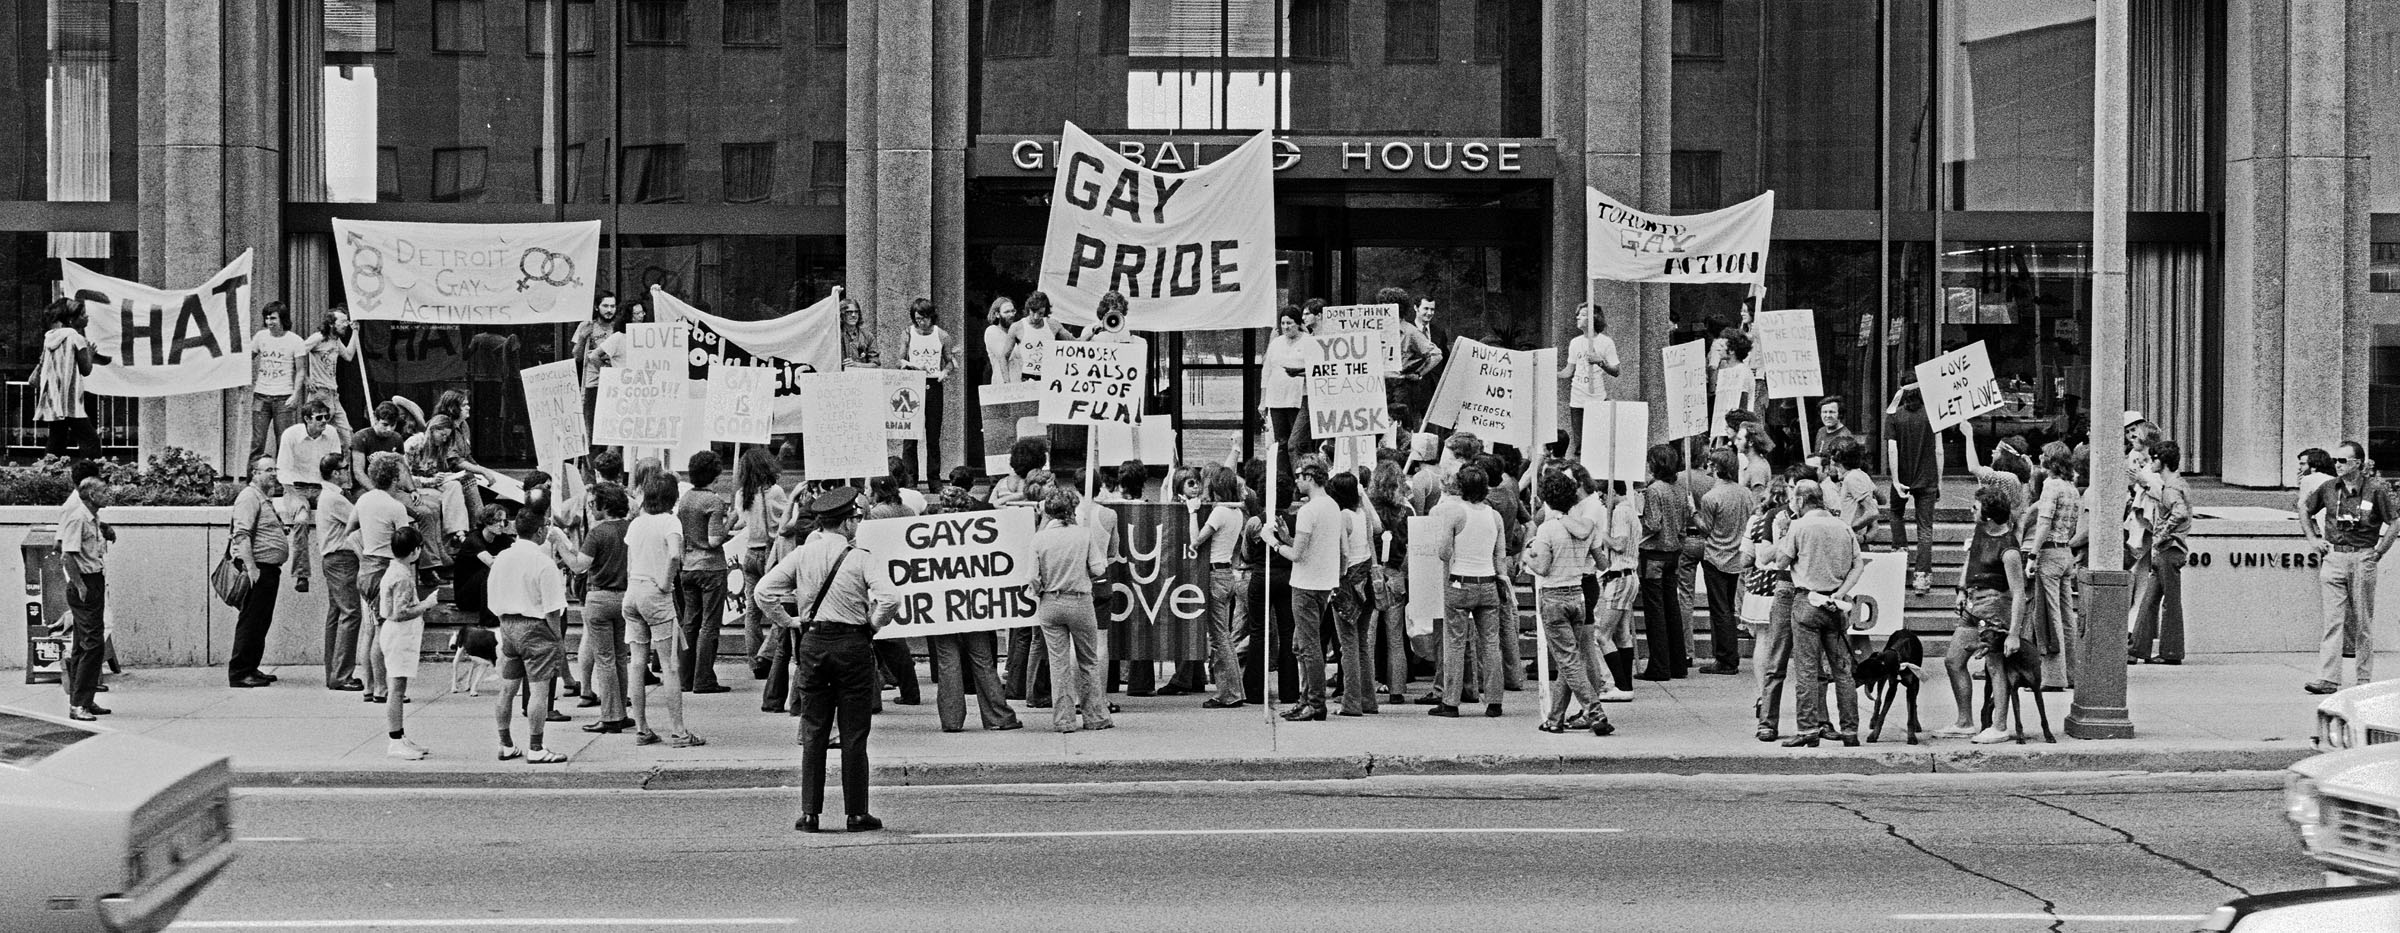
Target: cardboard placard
[[1687, 389], [1958, 385], [1345, 387], [1787, 354], [554, 404], [952, 573], [845, 437], [1616, 440], [740, 405], [1094, 383]]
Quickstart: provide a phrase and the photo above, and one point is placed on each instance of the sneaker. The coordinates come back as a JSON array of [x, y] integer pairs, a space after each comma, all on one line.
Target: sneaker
[[510, 752], [1954, 732], [544, 756], [685, 740], [646, 738], [1990, 737], [2322, 687], [1616, 696], [405, 750], [412, 743], [1922, 583]]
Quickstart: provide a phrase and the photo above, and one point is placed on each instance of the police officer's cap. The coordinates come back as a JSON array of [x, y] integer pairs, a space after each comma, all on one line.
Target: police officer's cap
[[835, 506]]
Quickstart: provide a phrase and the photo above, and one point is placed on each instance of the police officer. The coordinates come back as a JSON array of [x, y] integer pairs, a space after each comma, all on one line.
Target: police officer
[[836, 654]]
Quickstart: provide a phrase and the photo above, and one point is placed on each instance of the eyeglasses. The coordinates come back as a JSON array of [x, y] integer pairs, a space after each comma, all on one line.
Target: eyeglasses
[[2340, 460]]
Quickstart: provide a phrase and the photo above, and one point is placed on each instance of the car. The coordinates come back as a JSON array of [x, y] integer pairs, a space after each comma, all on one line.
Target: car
[[2346, 805], [107, 831], [2363, 909], [2367, 714]]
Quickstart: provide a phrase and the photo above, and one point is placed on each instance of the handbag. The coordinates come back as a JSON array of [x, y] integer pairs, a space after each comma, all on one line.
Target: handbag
[[229, 580]]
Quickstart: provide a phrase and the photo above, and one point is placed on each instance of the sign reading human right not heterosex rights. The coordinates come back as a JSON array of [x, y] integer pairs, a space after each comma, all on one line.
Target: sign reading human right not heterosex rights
[[1188, 250]]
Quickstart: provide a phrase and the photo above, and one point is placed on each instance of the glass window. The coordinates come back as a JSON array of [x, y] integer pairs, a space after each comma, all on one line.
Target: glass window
[[1491, 31], [386, 26], [579, 27], [1698, 179], [829, 166], [1412, 31], [2017, 105], [68, 76], [458, 174], [1116, 27], [387, 173], [2030, 303], [458, 26], [652, 175], [1017, 28], [833, 23], [756, 23], [1699, 29], [1791, 102], [749, 172], [1320, 30], [655, 22]]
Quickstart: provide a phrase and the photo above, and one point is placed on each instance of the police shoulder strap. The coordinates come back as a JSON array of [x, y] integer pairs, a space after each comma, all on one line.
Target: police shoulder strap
[[827, 586]]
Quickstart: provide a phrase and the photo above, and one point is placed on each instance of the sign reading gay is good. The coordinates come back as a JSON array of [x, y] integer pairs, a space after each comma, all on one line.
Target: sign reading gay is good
[[468, 273], [1190, 250], [951, 573]]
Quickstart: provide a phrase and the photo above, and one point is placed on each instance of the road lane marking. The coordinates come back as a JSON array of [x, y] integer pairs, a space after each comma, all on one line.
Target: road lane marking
[[270, 839], [477, 922], [2077, 918], [1324, 831]]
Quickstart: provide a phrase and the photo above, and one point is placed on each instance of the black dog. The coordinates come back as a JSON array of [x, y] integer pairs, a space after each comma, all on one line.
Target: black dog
[[477, 648], [2019, 670], [1881, 676]]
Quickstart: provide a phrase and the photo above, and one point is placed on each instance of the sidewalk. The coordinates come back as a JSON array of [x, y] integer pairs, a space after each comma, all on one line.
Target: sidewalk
[[2214, 713]]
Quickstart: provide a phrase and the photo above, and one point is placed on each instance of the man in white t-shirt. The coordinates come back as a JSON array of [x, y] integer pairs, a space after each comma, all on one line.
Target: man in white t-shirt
[[275, 354], [1591, 359], [1315, 550], [1033, 336]]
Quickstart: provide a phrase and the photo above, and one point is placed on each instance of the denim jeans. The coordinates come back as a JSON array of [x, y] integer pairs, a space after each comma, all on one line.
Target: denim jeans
[[2158, 605], [604, 635], [2059, 627], [269, 415], [1072, 633], [1922, 560], [341, 615], [1821, 645], [1568, 633], [1472, 617], [1225, 633], [700, 611], [1309, 611], [956, 658], [1773, 658]]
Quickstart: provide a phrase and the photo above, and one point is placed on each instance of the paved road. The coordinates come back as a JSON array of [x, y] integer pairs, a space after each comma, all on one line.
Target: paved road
[[1982, 853]]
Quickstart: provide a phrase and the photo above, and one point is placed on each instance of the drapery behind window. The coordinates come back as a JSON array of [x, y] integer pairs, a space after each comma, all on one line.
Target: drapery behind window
[[2163, 376]]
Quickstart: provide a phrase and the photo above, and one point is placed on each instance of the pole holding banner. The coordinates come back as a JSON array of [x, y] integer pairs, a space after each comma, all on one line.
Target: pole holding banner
[[1266, 569]]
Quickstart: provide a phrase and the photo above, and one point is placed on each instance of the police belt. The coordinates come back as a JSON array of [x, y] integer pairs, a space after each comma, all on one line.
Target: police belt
[[835, 628]]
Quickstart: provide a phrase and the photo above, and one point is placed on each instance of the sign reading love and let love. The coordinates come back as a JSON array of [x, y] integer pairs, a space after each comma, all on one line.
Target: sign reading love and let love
[[1190, 250], [541, 273], [1958, 385], [150, 342]]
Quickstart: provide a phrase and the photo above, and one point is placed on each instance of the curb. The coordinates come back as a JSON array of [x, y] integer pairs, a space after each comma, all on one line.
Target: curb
[[1959, 761]]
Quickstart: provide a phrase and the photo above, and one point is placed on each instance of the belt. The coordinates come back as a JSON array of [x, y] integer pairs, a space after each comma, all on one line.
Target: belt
[[1821, 592], [1220, 565], [1606, 576], [1083, 593], [2353, 548], [841, 628], [1455, 578], [2046, 545]]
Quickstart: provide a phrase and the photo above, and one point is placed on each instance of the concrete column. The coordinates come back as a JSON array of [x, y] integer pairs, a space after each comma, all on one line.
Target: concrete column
[[2101, 710], [949, 218], [211, 182], [2296, 211], [1610, 106]]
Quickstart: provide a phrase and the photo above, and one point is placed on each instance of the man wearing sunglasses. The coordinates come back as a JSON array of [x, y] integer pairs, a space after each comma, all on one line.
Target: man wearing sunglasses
[[2361, 518], [298, 454]]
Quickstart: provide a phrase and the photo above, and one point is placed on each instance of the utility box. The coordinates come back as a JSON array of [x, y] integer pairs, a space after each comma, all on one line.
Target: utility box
[[45, 605]]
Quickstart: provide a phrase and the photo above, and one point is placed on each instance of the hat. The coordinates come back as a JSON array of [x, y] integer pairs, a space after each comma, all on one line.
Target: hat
[[1426, 447], [410, 407], [835, 505], [2133, 417]]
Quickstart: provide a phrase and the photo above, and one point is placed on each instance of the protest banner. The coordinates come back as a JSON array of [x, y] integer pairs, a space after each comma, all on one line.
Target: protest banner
[[1381, 320], [1616, 440], [951, 573], [1503, 396], [809, 339], [640, 408], [1787, 354], [541, 273], [1191, 250], [1427, 599], [150, 342], [554, 404], [1159, 610], [1729, 245], [1958, 385], [740, 405], [1687, 389], [845, 433], [1094, 383], [1345, 386]]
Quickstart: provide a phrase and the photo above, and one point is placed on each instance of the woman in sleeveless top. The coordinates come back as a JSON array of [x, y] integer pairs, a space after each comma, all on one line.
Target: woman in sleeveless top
[[1992, 616]]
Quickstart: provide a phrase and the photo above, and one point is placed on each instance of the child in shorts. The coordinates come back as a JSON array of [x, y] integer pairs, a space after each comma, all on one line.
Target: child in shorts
[[402, 635]]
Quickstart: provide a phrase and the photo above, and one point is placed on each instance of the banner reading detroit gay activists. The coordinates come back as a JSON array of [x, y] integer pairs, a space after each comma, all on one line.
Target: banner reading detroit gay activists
[[1730, 245], [951, 573], [150, 342], [1190, 251], [468, 273]]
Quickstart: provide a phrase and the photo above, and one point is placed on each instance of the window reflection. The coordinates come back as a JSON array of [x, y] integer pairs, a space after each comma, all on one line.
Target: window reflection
[[2017, 114], [70, 97]]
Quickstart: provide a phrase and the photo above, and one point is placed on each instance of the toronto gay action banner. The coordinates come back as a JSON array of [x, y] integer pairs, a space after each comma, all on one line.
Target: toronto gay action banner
[[1729, 245], [150, 342], [1188, 250], [468, 273]]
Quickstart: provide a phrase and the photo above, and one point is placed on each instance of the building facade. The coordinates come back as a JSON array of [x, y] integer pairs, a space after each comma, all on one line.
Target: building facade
[[1932, 161]]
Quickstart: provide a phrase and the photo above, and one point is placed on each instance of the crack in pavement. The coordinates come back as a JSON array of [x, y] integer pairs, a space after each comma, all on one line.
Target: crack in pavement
[[2049, 907], [2136, 843]]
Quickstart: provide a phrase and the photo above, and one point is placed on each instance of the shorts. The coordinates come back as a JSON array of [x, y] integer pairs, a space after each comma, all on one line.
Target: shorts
[[1985, 609], [530, 649], [401, 644], [1619, 594], [649, 614]]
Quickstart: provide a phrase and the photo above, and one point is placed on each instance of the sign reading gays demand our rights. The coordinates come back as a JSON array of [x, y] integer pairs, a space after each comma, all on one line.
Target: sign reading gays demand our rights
[[951, 573], [1191, 250]]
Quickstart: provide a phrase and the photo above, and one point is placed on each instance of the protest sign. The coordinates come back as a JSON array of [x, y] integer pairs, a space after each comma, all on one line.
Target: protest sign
[[1687, 389], [554, 402], [1191, 250], [951, 573], [658, 348], [1353, 453], [640, 408], [1094, 383], [1159, 610], [150, 342], [1879, 603], [1616, 440], [1734, 385], [1345, 386], [1427, 601], [904, 399], [740, 405], [1152, 441], [1787, 354], [1381, 320], [1729, 245], [1958, 385], [539, 273], [1503, 396], [845, 431], [809, 340]]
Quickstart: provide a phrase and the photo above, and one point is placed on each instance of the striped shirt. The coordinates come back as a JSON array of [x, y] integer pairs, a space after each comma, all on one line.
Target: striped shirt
[[59, 392]]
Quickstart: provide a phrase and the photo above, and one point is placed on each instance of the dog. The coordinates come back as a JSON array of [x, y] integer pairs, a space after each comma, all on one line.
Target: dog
[[1883, 674], [479, 649], [2019, 670]]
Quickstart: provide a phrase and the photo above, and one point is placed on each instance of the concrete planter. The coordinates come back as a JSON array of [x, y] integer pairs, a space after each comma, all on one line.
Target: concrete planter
[[161, 611]]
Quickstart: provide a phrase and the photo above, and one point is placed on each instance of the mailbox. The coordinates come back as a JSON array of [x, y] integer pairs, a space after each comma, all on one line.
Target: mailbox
[[45, 607]]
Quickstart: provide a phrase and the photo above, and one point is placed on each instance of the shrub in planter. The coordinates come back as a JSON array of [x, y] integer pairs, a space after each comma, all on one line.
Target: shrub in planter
[[173, 477]]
